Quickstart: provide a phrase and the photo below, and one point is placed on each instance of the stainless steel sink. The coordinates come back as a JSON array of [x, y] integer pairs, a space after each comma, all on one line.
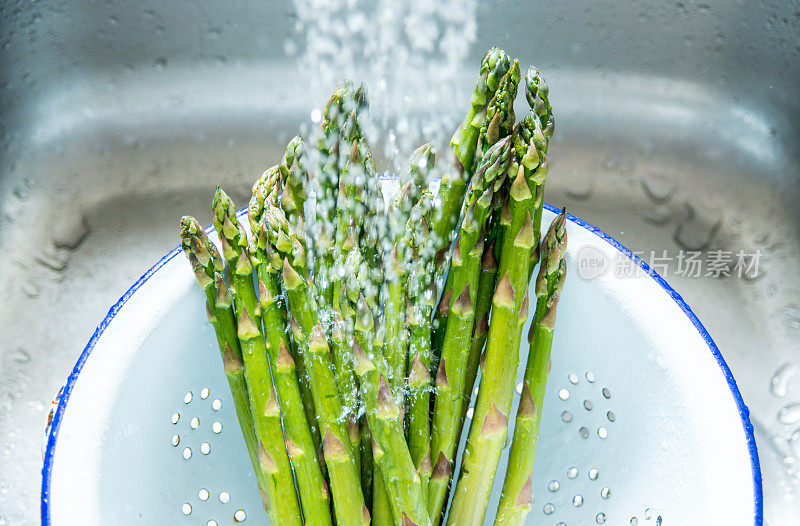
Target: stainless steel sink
[[677, 129]]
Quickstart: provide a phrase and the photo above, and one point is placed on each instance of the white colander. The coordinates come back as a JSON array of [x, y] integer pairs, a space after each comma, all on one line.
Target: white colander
[[643, 423]]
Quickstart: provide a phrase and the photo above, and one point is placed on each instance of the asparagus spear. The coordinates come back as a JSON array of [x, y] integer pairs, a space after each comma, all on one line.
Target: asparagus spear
[[293, 172], [494, 65], [535, 129], [390, 452], [499, 121], [207, 266], [263, 400], [486, 284], [300, 444], [493, 166], [348, 500], [419, 266], [516, 498], [490, 423]]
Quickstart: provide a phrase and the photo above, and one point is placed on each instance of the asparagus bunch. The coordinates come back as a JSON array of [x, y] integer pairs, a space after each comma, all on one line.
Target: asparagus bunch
[[328, 330]]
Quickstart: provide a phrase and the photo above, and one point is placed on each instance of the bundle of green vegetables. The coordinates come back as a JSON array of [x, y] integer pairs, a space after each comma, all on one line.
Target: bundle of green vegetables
[[351, 383]]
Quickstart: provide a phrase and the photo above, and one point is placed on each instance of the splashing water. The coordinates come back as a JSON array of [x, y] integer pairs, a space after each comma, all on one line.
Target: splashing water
[[409, 54]]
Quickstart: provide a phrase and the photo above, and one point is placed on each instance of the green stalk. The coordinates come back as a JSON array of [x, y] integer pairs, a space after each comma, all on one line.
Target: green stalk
[[486, 286], [207, 266], [517, 498], [272, 453], [490, 421], [264, 404], [348, 500], [451, 376], [494, 65], [490, 175], [300, 446], [390, 452]]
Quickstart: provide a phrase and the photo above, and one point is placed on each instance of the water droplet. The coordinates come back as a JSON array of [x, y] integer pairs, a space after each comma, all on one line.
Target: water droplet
[[577, 501], [573, 378], [187, 398], [658, 520], [470, 413], [794, 443], [563, 394], [593, 473], [175, 417], [587, 404], [186, 508], [224, 497], [216, 405], [212, 522], [789, 414], [634, 521], [606, 392], [205, 448], [548, 509], [602, 432], [216, 427], [239, 516], [583, 432], [572, 472], [176, 440], [605, 493], [648, 513], [187, 453], [590, 377], [553, 486], [566, 416], [518, 388], [611, 416], [203, 494], [160, 63], [779, 383], [600, 518], [561, 523], [194, 423], [316, 115], [204, 393]]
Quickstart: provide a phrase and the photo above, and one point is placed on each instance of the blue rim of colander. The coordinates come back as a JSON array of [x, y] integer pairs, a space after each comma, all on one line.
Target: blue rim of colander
[[744, 412]]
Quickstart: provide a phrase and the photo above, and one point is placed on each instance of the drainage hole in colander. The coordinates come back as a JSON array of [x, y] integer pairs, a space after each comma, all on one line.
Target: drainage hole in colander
[[195, 423], [577, 500], [566, 416], [549, 508], [239, 516], [205, 448], [572, 472], [224, 497], [186, 508], [600, 518], [203, 494], [587, 404], [187, 398], [553, 486], [187, 453], [605, 493], [205, 392], [216, 405], [176, 440], [175, 417], [216, 427], [593, 474]]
